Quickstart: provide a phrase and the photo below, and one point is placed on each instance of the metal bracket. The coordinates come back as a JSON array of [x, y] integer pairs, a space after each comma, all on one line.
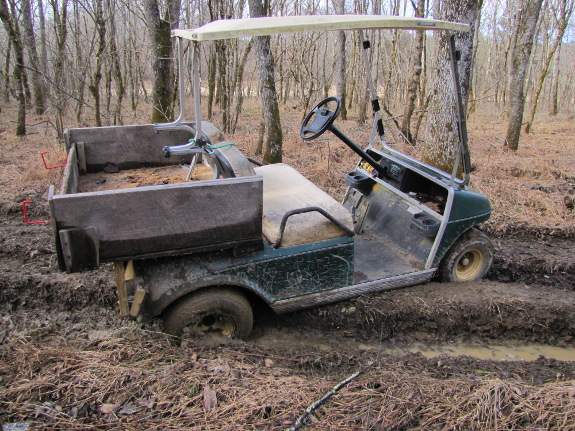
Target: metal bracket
[[25, 212], [52, 167], [309, 210]]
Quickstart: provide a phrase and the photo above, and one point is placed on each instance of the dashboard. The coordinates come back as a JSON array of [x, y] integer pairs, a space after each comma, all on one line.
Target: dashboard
[[408, 181]]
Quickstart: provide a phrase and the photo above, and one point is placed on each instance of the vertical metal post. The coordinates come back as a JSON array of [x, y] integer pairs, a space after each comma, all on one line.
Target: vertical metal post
[[463, 153], [378, 123], [197, 88], [181, 91]]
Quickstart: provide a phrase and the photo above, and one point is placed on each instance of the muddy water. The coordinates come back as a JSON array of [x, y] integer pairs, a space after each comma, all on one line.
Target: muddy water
[[527, 352], [494, 352]]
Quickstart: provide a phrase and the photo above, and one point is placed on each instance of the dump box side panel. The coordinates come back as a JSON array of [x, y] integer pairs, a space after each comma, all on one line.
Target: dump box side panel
[[132, 146], [160, 220]]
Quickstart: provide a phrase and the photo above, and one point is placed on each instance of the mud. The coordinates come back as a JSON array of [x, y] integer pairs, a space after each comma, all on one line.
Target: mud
[[529, 298], [525, 258], [530, 308], [115, 179]]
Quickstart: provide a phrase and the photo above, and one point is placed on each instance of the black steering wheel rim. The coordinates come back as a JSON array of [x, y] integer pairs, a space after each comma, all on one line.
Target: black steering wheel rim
[[322, 121]]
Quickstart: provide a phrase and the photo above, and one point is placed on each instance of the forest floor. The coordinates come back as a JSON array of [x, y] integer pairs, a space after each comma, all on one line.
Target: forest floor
[[493, 354]]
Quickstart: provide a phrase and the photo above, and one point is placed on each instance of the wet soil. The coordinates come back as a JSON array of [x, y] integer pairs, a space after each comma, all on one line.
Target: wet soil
[[51, 318], [527, 298], [115, 179]]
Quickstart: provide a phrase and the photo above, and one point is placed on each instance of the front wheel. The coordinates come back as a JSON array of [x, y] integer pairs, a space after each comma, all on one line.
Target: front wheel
[[215, 310], [468, 259]]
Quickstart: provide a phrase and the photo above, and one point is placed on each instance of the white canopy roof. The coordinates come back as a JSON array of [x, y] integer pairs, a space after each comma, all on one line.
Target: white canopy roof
[[265, 26]]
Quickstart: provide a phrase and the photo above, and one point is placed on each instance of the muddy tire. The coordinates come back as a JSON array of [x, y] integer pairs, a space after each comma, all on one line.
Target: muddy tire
[[214, 310], [468, 259]]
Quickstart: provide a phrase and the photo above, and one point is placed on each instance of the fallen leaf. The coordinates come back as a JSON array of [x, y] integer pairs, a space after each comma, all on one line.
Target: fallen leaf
[[107, 408], [129, 409]]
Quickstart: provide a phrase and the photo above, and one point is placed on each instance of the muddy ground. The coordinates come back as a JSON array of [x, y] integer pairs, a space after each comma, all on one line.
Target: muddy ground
[[67, 361], [51, 318]]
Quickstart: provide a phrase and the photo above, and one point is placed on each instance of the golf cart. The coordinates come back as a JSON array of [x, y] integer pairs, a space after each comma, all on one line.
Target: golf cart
[[199, 253]]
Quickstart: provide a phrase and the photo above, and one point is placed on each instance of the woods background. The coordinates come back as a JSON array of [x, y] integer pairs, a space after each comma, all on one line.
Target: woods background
[[112, 61]]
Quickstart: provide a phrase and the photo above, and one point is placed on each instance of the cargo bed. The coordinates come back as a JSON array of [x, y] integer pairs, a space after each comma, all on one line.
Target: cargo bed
[[147, 221]]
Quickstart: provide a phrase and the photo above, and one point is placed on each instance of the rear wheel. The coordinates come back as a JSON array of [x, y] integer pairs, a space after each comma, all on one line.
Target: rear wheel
[[468, 259], [216, 310]]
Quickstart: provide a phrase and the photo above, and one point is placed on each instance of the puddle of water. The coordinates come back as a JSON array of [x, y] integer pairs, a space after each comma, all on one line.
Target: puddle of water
[[518, 352], [527, 352]]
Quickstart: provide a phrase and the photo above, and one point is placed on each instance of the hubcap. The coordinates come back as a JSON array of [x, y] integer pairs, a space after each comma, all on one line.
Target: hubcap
[[470, 265]]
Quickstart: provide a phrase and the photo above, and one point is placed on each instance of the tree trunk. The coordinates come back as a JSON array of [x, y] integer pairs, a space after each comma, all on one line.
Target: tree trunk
[[525, 28], [6, 83], [116, 69], [81, 62], [554, 110], [476, 33], [222, 48], [271, 115], [43, 44], [444, 143], [341, 74], [159, 29], [239, 82], [94, 86], [565, 11], [413, 85], [60, 16], [511, 49], [11, 25], [30, 42], [211, 81], [339, 6]]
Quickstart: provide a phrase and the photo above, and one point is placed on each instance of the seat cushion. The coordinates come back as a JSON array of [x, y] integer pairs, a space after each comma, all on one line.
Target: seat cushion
[[285, 189]]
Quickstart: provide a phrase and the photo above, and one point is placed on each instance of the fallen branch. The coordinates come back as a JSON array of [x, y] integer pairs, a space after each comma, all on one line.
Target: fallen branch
[[300, 423]]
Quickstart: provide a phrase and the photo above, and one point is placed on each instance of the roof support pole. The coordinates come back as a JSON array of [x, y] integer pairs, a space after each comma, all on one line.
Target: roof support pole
[[377, 123], [463, 152], [181, 92], [198, 140]]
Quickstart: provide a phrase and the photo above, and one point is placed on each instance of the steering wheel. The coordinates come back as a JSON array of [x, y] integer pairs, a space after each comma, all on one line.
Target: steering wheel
[[323, 118]]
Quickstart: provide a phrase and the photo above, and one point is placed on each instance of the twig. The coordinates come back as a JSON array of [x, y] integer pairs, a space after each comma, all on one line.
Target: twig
[[403, 115], [59, 88], [300, 423]]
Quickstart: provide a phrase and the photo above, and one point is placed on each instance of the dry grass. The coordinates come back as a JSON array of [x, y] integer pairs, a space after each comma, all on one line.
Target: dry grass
[[526, 188], [144, 383]]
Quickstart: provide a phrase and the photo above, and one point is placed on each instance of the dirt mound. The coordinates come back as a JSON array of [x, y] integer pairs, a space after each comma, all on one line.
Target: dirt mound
[[526, 258], [482, 311]]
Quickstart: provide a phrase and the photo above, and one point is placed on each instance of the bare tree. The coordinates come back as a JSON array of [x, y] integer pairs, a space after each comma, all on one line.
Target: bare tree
[[94, 86], [30, 42], [554, 108], [525, 30], [159, 28], [416, 77], [43, 43], [339, 6], [11, 25], [115, 59], [271, 116], [561, 16], [6, 72], [60, 21], [239, 82], [441, 149]]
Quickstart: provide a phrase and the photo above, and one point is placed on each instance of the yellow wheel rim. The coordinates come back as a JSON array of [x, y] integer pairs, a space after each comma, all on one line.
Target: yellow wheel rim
[[216, 323], [470, 265]]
